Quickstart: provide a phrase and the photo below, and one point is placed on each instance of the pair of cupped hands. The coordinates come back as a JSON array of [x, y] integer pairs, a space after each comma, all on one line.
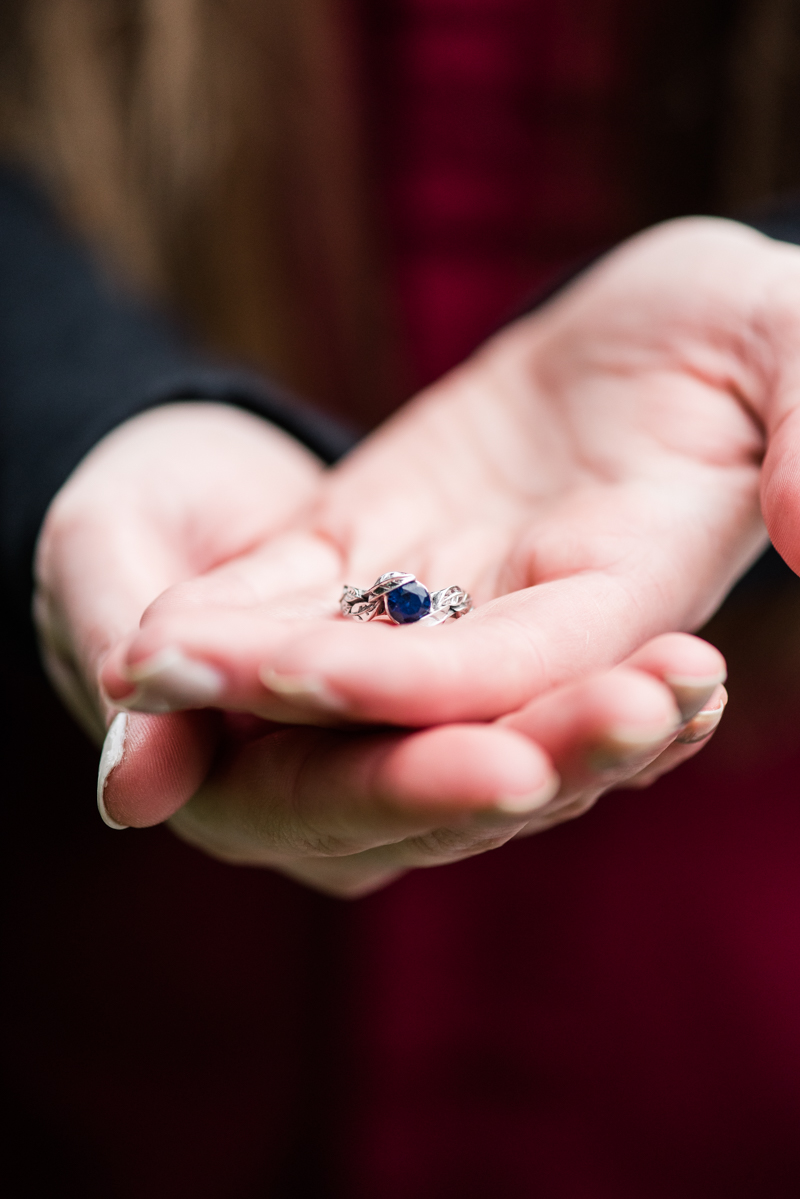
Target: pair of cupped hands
[[595, 476]]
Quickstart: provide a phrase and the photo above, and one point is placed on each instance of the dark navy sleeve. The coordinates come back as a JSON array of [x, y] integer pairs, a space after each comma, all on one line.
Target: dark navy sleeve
[[779, 218], [77, 358]]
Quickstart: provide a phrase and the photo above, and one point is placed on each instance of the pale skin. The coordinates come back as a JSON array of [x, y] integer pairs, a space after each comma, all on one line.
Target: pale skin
[[595, 476]]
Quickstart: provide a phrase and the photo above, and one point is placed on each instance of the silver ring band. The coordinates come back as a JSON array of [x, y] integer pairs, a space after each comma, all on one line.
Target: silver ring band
[[403, 599]]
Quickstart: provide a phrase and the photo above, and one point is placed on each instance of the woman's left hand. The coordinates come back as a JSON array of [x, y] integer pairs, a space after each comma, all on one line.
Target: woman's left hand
[[347, 811]]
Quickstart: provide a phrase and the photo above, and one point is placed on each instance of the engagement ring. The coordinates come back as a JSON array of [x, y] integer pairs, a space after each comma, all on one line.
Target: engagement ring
[[402, 598]]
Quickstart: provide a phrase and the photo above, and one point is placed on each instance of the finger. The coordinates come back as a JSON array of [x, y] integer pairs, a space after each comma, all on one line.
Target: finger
[[346, 812], [151, 765], [619, 729], [693, 737], [199, 638], [312, 792], [691, 668], [601, 730], [477, 668], [588, 714], [780, 487]]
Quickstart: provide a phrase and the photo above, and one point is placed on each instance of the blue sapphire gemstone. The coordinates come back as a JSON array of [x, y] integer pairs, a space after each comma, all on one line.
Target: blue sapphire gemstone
[[408, 603]]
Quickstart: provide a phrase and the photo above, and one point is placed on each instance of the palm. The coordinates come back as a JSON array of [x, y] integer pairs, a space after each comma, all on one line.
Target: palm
[[577, 442]]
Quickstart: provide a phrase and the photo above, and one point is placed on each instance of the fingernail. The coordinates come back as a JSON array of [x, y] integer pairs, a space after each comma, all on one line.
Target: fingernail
[[111, 756], [169, 681], [301, 689], [703, 724], [692, 692], [518, 805], [624, 745]]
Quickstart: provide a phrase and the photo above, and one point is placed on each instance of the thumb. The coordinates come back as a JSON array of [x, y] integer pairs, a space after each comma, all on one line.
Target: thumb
[[780, 489], [151, 766]]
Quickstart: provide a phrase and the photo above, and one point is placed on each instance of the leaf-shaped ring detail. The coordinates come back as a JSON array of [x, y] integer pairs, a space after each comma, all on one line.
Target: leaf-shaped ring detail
[[400, 596]]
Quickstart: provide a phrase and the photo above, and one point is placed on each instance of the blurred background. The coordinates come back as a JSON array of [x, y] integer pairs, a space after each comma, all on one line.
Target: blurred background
[[351, 195], [354, 194]]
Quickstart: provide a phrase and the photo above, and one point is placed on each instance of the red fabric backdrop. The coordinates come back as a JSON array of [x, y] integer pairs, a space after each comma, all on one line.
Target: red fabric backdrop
[[498, 138]]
